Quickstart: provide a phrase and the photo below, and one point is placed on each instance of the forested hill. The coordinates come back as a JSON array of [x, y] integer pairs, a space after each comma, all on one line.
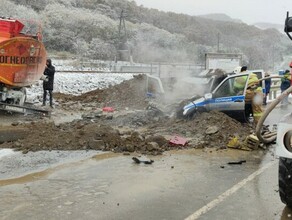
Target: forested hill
[[90, 28]]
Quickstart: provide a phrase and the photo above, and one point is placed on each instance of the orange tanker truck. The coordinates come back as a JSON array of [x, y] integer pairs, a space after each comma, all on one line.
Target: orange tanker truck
[[22, 61]]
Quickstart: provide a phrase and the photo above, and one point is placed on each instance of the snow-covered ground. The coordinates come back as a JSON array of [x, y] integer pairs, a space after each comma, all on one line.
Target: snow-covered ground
[[6, 152], [78, 83], [18, 164]]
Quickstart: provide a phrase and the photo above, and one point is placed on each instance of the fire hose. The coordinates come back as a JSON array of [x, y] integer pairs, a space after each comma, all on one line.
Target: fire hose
[[272, 138]]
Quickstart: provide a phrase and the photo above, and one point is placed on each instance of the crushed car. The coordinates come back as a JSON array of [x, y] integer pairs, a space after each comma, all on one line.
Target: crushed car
[[225, 98]]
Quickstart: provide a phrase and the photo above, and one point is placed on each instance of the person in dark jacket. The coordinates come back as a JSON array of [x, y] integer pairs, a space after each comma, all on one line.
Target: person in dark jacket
[[285, 84], [267, 87], [48, 83]]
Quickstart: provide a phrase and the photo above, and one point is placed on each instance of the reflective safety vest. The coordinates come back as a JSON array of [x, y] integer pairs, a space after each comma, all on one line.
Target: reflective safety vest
[[239, 82], [259, 89], [285, 81], [287, 76]]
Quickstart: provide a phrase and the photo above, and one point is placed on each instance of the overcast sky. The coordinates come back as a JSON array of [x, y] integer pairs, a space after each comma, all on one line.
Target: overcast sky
[[249, 11]]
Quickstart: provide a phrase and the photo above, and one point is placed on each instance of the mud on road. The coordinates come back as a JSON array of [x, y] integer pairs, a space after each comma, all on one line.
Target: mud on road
[[138, 124]]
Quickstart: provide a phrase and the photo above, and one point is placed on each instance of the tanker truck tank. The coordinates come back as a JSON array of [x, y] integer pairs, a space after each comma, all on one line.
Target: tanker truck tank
[[22, 60]]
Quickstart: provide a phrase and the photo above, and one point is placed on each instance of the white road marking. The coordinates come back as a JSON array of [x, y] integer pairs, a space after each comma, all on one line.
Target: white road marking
[[229, 192]]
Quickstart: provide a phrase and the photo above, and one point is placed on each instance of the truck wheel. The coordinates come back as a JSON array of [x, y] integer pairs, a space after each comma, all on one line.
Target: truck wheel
[[285, 180]]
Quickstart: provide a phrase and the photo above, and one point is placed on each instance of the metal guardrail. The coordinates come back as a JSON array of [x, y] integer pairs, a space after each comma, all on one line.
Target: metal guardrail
[[97, 71], [275, 90]]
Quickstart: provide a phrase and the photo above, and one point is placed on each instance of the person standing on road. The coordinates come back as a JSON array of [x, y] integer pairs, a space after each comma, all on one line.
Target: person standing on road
[[285, 84], [48, 83], [267, 87], [254, 95]]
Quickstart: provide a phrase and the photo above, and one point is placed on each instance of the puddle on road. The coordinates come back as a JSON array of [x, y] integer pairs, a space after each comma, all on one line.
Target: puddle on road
[[212, 152], [41, 174], [286, 213], [105, 156], [28, 178], [226, 155], [259, 157]]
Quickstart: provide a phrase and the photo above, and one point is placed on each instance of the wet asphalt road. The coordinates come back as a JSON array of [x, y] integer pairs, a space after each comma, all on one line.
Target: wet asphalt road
[[189, 183], [175, 186]]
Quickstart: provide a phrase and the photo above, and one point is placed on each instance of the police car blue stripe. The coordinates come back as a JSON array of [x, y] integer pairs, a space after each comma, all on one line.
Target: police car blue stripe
[[217, 100]]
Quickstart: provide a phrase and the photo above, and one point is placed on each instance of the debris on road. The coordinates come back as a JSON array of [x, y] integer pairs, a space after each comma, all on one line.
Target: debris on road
[[131, 127], [145, 161], [237, 162], [234, 143], [252, 142], [176, 140], [108, 109]]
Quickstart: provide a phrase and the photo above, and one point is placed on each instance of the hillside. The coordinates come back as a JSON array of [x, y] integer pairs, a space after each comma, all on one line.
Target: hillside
[[90, 29], [220, 17], [279, 27]]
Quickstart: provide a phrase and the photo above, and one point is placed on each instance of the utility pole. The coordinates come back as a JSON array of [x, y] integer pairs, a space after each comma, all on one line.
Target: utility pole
[[218, 42], [122, 27], [123, 48]]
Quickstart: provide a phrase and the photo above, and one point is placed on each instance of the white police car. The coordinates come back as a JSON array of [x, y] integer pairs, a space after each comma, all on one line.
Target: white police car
[[225, 98]]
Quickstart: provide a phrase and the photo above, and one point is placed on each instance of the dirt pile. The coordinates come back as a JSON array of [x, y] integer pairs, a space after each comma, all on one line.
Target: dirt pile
[[85, 135], [128, 94], [144, 128], [147, 137], [209, 129]]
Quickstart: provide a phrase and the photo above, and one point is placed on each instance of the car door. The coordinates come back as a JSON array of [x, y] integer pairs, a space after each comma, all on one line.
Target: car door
[[229, 98]]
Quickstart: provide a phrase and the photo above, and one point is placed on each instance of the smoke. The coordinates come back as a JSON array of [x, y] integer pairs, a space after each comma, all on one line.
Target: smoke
[[182, 90], [180, 82]]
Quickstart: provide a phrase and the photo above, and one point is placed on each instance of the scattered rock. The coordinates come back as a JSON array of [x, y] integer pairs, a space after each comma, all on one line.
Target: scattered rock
[[15, 123], [212, 130]]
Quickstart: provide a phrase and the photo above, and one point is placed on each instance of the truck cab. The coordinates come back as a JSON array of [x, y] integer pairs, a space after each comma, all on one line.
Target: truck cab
[[284, 143], [226, 98]]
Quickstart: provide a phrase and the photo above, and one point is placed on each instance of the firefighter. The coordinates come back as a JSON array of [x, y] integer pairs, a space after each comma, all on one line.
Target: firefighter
[[239, 82], [254, 95], [243, 69]]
